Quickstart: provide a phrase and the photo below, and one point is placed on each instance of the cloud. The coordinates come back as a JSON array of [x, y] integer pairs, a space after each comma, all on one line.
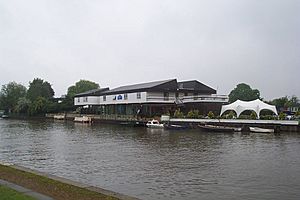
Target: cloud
[[220, 43]]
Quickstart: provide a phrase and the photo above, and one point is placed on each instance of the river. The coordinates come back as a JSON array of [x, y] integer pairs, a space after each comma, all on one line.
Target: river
[[158, 164]]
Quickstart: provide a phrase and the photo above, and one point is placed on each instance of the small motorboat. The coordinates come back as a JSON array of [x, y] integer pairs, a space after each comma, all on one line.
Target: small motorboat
[[83, 119], [154, 124], [212, 128], [261, 130], [59, 117], [4, 116], [237, 129]]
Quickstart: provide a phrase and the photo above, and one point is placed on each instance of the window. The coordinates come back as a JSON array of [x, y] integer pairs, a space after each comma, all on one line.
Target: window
[[104, 98], [78, 99], [138, 95], [125, 96], [166, 96], [195, 96], [85, 99]]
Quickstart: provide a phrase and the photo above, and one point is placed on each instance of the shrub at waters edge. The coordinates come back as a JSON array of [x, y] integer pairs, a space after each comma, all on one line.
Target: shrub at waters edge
[[253, 115], [194, 114], [281, 116], [211, 115], [178, 114]]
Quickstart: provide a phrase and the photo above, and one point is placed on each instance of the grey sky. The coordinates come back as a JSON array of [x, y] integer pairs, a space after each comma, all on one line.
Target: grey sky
[[118, 42]]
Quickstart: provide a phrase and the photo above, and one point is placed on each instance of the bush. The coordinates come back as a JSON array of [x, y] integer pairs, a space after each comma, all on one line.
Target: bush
[[178, 114], [253, 115], [211, 115], [193, 114], [268, 117], [230, 115], [201, 117], [282, 116], [244, 117]]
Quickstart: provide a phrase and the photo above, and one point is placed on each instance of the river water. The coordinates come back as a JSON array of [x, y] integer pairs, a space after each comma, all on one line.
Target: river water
[[158, 164]]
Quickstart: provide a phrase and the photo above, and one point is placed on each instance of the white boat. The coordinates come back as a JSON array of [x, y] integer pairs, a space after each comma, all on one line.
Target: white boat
[[237, 129], [261, 130], [83, 119], [59, 117], [154, 124]]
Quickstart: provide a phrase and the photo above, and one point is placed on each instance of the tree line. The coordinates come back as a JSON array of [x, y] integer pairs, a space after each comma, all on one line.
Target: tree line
[[244, 92], [39, 98]]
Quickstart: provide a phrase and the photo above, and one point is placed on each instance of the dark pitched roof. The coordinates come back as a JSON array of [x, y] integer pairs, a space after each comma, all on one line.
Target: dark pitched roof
[[164, 85], [95, 92], [195, 86]]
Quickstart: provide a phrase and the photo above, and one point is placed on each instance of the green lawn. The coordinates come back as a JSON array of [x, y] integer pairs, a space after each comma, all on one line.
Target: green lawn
[[10, 194]]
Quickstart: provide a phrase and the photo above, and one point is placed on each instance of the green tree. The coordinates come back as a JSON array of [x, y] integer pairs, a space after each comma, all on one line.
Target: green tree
[[23, 105], [294, 101], [243, 92], [79, 87], [39, 106], [283, 103], [39, 88], [280, 103], [82, 86], [10, 95]]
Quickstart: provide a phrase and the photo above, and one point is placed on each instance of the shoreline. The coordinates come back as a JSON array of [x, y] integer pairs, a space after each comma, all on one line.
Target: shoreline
[[54, 186]]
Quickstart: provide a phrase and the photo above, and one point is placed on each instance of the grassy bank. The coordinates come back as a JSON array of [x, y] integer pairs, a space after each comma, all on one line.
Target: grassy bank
[[57, 189], [10, 194]]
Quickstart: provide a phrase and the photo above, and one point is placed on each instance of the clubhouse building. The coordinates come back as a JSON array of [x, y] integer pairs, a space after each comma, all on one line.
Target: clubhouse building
[[151, 99]]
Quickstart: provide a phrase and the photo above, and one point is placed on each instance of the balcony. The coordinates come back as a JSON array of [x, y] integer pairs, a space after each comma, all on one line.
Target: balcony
[[205, 98], [189, 99]]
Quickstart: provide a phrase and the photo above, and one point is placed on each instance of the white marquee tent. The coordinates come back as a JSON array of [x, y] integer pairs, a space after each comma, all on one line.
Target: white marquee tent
[[256, 105]]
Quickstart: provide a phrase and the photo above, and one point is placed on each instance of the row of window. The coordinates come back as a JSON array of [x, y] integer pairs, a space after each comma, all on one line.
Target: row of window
[[85, 99], [138, 96]]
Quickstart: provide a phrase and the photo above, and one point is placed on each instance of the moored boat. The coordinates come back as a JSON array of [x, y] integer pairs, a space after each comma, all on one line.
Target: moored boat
[[83, 119], [212, 128], [261, 130], [154, 124], [4, 116], [175, 127], [59, 117]]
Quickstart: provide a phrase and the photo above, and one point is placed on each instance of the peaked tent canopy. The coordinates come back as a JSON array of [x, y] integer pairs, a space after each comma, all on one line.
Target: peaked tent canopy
[[256, 105]]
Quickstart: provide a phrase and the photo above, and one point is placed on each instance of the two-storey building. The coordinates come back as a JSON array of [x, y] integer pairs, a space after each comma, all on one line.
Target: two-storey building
[[153, 98]]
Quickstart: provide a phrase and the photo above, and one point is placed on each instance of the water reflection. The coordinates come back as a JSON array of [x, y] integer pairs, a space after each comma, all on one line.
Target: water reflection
[[158, 164]]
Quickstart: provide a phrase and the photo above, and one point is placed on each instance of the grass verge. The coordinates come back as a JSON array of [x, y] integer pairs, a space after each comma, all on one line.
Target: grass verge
[[53, 188], [10, 194]]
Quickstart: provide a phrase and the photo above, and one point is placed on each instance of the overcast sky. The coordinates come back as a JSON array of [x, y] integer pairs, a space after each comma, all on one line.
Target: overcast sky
[[118, 42]]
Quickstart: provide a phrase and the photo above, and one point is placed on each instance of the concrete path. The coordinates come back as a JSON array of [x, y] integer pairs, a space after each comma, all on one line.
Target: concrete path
[[26, 191]]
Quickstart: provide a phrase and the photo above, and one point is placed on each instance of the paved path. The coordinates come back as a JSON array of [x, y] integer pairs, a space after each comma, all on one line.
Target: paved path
[[26, 191]]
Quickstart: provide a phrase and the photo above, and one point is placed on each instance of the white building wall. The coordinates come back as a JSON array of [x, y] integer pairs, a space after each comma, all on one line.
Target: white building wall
[[158, 97], [88, 100], [146, 97], [119, 98]]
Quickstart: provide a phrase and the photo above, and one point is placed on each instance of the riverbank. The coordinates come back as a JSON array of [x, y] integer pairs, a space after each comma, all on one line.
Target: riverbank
[[56, 187], [278, 125], [9, 194]]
